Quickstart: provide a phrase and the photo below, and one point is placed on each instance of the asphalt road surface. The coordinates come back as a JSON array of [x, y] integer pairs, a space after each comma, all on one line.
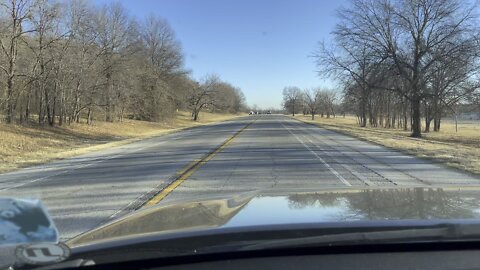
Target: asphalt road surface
[[265, 152]]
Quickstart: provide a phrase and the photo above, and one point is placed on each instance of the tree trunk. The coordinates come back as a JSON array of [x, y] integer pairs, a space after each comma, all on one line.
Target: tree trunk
[[27, 107], [437, 123], [363, 111], [41, 114], [428, 120], [60, 117], [10, 101], [89, 116], [62, 108], [436, 117], [54, 111], [108, 105], [416, 118], [195, 117], [428, 117], [48, 107]]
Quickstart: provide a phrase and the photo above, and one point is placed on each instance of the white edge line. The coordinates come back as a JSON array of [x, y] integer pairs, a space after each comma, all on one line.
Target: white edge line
[[319, 158]]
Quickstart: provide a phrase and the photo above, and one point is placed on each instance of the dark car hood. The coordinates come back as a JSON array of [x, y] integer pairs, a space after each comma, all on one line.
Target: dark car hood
[[253, 209]]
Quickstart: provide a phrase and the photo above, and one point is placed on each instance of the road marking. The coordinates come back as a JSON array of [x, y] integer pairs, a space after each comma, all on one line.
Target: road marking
[[346, 166], [319, 158], [377, 161], [191, 168]]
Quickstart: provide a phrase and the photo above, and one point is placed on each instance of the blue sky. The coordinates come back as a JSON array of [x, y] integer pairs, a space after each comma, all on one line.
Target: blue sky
[[259, 46]]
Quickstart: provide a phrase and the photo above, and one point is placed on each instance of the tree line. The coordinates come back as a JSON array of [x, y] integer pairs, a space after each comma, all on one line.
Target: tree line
[[404, 62], [61, 61], [314, 101]]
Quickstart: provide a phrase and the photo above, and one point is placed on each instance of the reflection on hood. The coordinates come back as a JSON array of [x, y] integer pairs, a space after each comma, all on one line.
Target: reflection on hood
[[416, 203], [291, 208]]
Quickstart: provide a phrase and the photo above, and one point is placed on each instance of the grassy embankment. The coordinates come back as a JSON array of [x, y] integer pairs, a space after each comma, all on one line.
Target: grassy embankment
[[26, 145], [456, 149]]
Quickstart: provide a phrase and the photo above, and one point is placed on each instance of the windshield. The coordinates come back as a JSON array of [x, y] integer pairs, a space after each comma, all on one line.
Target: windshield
[[238, 113]]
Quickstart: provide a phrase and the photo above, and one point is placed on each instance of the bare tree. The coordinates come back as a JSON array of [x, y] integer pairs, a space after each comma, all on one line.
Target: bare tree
[[72, 60], [292, 99], [82, 65], [451, 79], [16, 13], [45, 21], [350, 62], [327, 99], [312, 100], [163, 61], [202, 95], [161, 47], [238, 102], [410, 36], [114, 28]]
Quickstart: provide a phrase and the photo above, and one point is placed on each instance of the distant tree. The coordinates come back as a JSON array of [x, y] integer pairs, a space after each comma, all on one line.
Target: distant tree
[[327, 99], [202, 95], [292, 99], [312, 100]]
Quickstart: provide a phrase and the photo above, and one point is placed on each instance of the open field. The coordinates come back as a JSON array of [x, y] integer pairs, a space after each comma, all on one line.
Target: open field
[[26, 145], [457, 149]]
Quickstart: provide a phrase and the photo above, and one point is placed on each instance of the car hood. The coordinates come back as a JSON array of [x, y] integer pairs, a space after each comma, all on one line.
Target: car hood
[[330, 206]]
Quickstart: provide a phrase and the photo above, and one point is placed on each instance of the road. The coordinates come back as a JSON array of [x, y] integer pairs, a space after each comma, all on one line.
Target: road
[[266, 152]]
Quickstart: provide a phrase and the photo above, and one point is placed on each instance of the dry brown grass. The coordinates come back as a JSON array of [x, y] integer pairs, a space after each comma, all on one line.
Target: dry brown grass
[[457, 149], [22, 145]]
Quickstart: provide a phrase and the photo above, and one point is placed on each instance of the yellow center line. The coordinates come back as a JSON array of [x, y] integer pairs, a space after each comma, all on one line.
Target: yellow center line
[[191, 168]]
